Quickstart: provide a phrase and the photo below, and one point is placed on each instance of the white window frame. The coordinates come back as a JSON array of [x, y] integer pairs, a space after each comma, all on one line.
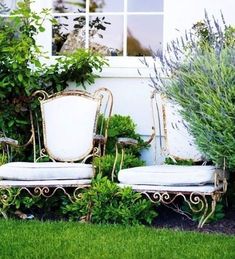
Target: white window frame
[[114, 62], [119, 66]]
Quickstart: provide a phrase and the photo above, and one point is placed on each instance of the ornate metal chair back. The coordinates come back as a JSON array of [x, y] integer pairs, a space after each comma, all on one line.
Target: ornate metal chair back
[[69, 122], [174, 136]]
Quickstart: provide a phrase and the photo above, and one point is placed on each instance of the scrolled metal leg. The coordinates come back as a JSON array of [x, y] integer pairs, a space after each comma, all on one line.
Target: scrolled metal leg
[[77, 195], [48, 192], [206, 215], [7, 198], [9, 195], [115, 162], [197, 202]]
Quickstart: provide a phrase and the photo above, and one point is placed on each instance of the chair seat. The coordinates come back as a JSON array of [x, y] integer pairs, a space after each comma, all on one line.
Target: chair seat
[[26, 171], [168, 175]]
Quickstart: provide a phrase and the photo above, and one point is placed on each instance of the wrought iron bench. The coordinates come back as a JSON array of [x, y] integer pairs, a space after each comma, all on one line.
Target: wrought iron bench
[[200, 186], [69, 127]]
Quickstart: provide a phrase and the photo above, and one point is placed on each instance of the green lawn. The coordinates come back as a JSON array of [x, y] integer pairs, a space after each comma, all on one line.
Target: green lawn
[[33, 239]]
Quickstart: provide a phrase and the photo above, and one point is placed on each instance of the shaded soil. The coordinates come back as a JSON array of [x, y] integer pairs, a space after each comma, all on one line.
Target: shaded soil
[[169, 219]]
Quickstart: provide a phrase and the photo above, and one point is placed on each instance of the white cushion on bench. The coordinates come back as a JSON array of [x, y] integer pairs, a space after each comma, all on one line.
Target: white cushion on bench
[[45, 171], [168, 175]]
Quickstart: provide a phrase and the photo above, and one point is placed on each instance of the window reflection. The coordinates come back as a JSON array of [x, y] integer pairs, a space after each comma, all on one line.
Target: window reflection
[[106, 5], [71, 6], [145, 5], [106, 34], [69, 34], [142, 37], [6, 6]]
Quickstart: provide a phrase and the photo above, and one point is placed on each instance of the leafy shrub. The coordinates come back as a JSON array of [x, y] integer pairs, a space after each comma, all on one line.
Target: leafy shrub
[[16, 200], [22, 72], [78, 67], [196, 216], [200, 72], [3, 158], [123, 126], [120, 126], [105, 202], [19, 54], [171, 161], [105, 163]]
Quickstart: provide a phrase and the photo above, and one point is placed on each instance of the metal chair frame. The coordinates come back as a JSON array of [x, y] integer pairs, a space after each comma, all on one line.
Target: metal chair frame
[[198, 202], [47, 188]]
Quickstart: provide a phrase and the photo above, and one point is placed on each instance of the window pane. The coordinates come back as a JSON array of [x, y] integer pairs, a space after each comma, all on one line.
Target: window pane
[[106, 34], [6, 6], [145, 5], [145, 32], [69, 6], [69, 34], [106, 5]]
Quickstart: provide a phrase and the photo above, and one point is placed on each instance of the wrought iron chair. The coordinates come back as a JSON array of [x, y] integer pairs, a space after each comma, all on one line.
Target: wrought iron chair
[[165, 183], [69, 125]]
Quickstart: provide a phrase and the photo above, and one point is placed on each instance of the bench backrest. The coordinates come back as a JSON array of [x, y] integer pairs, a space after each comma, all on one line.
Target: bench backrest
[[69, 123], [173, 130]]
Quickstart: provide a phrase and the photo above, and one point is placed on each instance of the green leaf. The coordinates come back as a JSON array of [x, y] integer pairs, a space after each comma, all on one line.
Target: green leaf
[[10, 123], [20, 77], [41, 29]]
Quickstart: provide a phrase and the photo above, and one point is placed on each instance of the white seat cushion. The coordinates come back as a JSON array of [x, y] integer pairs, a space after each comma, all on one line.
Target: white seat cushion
[[45, 171], [168, 175]]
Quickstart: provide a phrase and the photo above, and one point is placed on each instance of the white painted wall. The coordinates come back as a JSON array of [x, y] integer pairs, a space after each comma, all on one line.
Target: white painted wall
[[131, 91], [132, 97]]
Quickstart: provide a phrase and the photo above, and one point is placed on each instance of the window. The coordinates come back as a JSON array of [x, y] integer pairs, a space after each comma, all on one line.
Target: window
[[124, 28], [111, 27]]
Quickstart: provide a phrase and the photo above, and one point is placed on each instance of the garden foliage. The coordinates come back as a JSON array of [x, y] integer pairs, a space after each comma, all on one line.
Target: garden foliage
[[19, 69], [105, 202], [120, 126], [200, 71], [22, 71], [79, 67]]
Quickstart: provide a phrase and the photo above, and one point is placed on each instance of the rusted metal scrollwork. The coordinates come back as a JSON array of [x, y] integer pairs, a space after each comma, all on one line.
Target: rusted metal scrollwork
[[197, 202], [77, 195], [7, 198], [42, 95], [43, 154], [48, 192], [9, 195]]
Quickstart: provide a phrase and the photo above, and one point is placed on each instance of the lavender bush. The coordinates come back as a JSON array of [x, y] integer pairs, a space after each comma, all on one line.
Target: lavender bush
[[198, 73]]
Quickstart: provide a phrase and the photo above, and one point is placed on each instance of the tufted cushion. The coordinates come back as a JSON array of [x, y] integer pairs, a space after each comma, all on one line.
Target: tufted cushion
[[168, 175], [45, 171]]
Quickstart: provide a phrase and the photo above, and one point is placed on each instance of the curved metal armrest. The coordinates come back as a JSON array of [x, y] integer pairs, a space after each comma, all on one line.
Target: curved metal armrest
[[15, 143], [9, 141], [151, 137], [131, 141], [221, 178], [127, 141], [99, 139]]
